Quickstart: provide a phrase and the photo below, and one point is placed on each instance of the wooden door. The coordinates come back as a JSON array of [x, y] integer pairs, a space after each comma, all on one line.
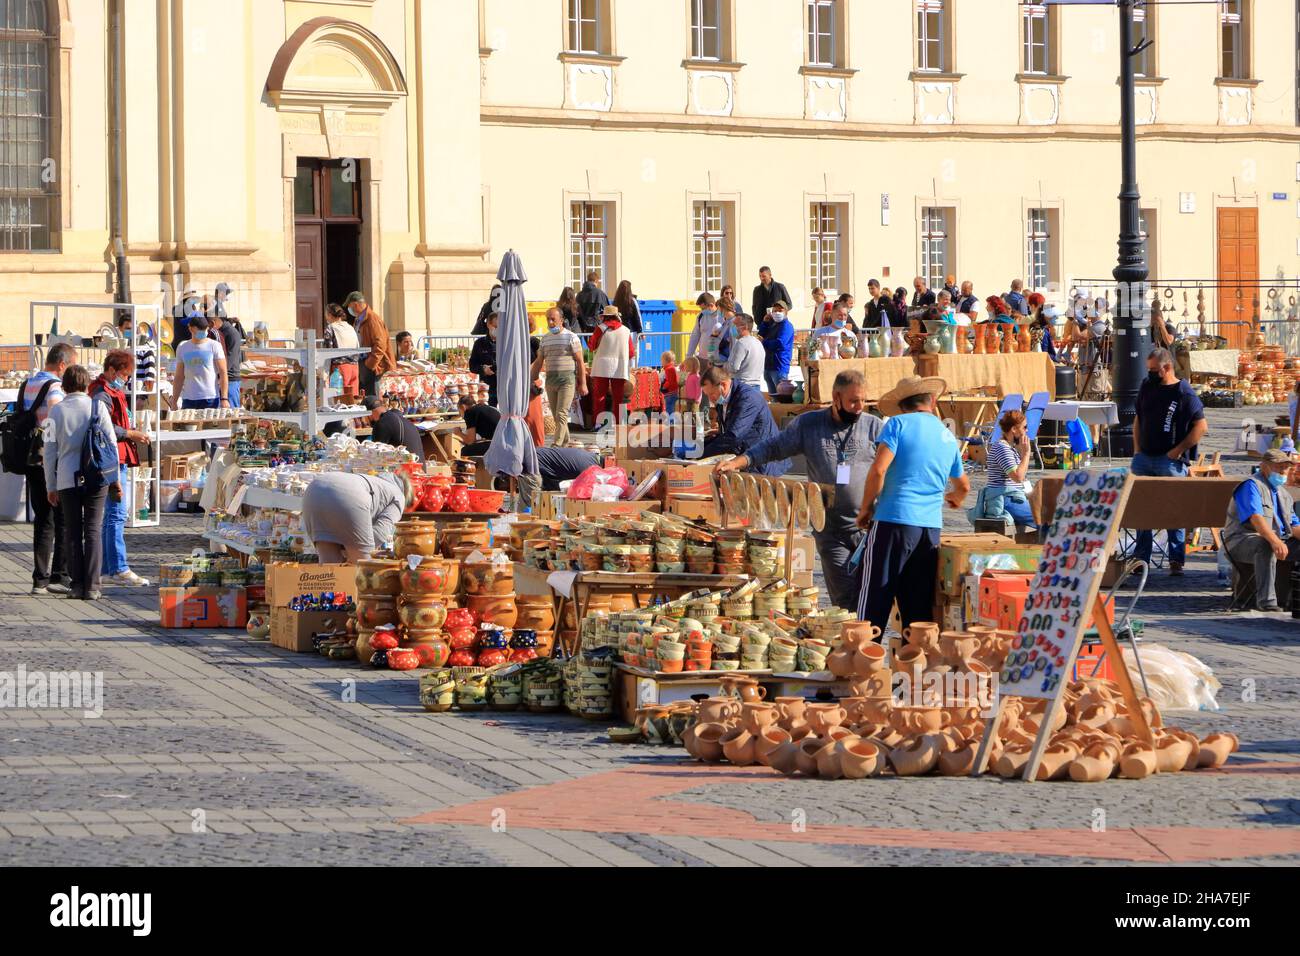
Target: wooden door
[[309, 263], [1238, 272]]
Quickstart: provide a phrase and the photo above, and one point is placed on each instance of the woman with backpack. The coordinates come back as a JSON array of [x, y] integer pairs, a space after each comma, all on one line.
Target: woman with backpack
[[81, 471]]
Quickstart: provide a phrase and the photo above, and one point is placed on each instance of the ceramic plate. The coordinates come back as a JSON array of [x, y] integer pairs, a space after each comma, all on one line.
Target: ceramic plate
[[770, 509], [816, 508], [783, 503], [753, 502], [800, 505], [727, 492]]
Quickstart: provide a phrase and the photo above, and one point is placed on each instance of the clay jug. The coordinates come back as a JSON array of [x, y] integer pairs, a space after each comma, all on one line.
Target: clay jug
[[822, 717], [923, 634], [749, 691], [840, 661], [784, 758], [757, 717], [1138, 760], [708, 741], [859, 758], [959, 761], [738, 746], [828, 760], [768, 742], [1215, 749], [868, 659], [911, 661], [1056, 760], [1097, 762], [916, 756], [806, 760], [715, 710], [1171, 753]]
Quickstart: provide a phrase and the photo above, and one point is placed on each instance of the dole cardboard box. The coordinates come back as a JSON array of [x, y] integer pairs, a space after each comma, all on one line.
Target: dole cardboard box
[[689, 479], [695, 507], [293, 630], [207, 607], [286, 580]]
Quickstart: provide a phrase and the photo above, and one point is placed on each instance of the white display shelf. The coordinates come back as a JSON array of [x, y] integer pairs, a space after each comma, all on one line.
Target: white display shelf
[[301, 354], [299, 417], [202, 434], [232, 544], [256, 497]]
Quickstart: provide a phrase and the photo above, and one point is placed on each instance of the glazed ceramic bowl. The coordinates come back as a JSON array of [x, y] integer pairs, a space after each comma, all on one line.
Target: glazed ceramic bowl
[[496, 609], [432, 576], [534, 617], [425, 613], [416, 537], [376, 612], [488, 577], [377, 576]]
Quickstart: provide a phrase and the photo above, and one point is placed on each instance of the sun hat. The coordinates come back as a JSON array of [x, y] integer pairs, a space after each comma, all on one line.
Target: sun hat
[[611, 312], [906, 388]]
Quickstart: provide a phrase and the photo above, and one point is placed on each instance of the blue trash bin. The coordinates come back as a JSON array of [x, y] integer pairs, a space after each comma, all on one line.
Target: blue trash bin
[[656, 328]]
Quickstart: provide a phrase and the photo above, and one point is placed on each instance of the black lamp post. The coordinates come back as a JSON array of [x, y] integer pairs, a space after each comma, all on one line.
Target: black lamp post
[[1132, 319]]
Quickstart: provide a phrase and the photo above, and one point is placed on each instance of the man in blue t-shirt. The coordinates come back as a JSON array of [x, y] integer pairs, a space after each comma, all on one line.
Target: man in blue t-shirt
[[1170, 423], [916, 470], [1262, 527]]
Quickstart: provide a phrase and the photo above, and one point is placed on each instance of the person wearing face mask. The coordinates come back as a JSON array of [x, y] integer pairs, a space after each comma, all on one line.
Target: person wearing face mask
[[744, 419], [201, 369], [1169, 424], [708, 340], [373, 335], [483, 358], [1262, 528], [778, 342], [109, 390], [746, 359], [838, 445], [559, 357]]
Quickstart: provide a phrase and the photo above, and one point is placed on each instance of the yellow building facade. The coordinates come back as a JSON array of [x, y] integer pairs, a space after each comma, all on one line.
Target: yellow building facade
[[297, 149]]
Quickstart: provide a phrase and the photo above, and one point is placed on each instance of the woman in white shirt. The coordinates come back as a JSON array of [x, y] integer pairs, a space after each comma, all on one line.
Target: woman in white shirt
[[339, 334], [612, 349], [82, 506]]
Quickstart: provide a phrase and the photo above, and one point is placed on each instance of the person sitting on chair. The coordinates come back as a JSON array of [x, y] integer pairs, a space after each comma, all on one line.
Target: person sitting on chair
[[1262, 528], [1008, 464]]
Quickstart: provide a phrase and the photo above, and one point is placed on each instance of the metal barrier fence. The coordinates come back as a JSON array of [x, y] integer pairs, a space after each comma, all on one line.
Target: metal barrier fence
[[650, 347]]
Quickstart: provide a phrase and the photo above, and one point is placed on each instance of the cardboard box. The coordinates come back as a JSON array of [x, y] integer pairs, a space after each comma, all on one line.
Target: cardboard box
[[1086, 663], [573, 507], [286, 580], [293, 630], [689, 479], [956, 552], [206, 607], [183, 467], [994, 584], [692, 509]]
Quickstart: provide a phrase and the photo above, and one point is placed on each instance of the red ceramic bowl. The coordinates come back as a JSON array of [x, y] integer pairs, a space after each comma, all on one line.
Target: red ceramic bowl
[[484, 501], [461, 659], [383, 641], [403, 659]]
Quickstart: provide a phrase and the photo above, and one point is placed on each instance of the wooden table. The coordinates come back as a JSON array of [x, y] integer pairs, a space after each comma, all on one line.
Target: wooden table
[[1154, 504]]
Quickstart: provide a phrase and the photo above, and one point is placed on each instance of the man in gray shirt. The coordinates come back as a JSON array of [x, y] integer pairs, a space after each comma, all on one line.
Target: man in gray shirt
[[747, 356], [838, 445]]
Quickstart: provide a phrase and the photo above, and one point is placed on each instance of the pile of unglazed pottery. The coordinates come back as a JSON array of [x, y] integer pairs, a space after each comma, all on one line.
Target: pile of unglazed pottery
[[927, 728]]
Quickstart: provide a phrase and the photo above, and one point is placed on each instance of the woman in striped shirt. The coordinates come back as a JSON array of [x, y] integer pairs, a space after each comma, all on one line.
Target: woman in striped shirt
[[1008, 463]]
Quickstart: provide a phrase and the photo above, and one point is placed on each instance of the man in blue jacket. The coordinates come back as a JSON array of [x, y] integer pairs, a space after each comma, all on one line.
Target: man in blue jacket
[[745, 419], [778, 342]]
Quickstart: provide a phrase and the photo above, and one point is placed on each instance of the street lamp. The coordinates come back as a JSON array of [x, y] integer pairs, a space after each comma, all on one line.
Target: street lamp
[[1132, 320]]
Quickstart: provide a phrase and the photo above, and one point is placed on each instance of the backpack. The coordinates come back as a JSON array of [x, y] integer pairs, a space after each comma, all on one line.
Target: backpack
[[21, 441], [99, 461]]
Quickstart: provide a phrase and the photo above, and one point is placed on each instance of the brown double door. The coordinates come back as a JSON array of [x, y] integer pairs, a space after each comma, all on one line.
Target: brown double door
[[327, 236], [1238, 272]]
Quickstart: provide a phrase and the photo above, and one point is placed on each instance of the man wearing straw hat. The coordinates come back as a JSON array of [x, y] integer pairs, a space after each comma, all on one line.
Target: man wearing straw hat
[[916, 470]]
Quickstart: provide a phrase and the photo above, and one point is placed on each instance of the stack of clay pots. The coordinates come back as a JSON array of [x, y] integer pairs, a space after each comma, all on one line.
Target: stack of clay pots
[[378, 588], [536, 612], [588, 686]]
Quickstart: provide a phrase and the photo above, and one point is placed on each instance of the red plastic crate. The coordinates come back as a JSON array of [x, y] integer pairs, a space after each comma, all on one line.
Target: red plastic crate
[[1086, 662], [993, 584]]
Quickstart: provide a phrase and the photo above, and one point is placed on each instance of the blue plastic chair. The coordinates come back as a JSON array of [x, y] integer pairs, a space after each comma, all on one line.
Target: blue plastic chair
[[1034, 420]]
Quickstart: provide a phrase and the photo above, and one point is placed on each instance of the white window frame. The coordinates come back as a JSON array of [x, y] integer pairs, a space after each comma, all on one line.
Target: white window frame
[[1233, 16], [582, 12], [1037, 13], [823, 22], [1144, 64], [710, 253], [701, 30], [826, 246], [936, 237], [928, 11], [1038, 247], [1149, 234], [589, 246]]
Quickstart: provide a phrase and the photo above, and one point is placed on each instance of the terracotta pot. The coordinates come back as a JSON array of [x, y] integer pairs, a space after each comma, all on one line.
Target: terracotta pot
[[840, 661], [859, 758], [1138, 760], [784, 758], [457, 534], [916, 756], [415, 537], [868, 660], [748, 690], [1056, 760], [377, 576], [432, 576], [876, 709], [738, 746], [828, 759], [822, 717], [376, 612], [1171, 753], [768, 741], [488, 577], [719, 709], [911, 661], [403, 659], [363, 649], [806, 759], [798, 728], [1215, 749], [534, 617], [1096, 715], [432, 653], [959, 761], [1097, 762], [924, 635], [708, 741], [496, 609], [879, 684], [758, 716], [919, 720], [958, 647], [424, 613], [1011, 762], [857, 633], [792, 708]]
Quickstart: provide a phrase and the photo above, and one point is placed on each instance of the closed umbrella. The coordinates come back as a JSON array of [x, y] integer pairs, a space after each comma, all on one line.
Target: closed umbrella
[[512, 451]]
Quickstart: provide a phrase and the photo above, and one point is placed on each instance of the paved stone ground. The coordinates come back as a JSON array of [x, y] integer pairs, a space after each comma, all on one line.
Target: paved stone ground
[[214, 749]]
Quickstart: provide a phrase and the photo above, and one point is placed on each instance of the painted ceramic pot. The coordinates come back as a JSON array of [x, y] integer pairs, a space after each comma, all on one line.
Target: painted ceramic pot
[[424, 613], [458, 499], [462, 638], [376, 612], [459, 617], [383, 640], [496, 609], [415, 537], [461, 658], [376, 576], [491, 657], [437, 691], [434, 653], [431, 576], [487, 577], [403, 659], [473, 534]]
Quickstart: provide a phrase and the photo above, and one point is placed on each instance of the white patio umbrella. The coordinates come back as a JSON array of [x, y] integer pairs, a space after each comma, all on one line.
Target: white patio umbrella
[[512, 451]]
